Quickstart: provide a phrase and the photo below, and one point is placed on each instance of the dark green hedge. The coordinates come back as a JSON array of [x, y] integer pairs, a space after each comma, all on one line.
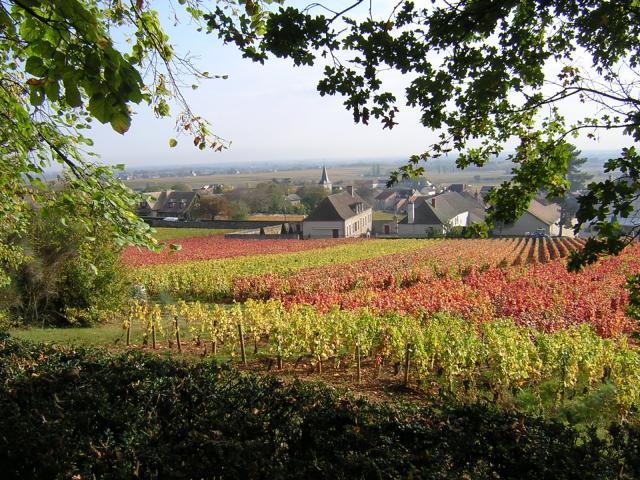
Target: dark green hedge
[[85, 412]]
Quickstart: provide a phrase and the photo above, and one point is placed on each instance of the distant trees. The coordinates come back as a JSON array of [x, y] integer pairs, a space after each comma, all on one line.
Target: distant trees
[[238, 210], [207, 207], [311, 194], [266, 197], [180, 187], [365, 191], [577, 181]]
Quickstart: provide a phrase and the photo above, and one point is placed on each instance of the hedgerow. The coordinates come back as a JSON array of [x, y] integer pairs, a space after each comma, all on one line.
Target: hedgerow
[[81, 413]]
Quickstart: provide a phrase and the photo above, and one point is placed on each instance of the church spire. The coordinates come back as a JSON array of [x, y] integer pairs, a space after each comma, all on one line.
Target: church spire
[[324, 179]]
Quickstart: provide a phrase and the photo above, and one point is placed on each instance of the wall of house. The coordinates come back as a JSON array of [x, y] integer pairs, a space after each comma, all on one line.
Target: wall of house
[[356, 226], [527, 223], [359, 225], [387, 203], [322, 229], [460, 220]]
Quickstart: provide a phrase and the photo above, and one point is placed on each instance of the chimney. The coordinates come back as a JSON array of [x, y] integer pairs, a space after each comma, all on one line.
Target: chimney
[[411, 213], [351, 190], [433, 202]]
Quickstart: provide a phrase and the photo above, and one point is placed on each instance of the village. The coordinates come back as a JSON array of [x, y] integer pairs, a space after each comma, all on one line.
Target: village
[[411, 209]]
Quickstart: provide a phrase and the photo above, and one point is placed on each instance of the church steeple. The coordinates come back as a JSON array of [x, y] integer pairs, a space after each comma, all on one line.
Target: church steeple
[[324, 179]]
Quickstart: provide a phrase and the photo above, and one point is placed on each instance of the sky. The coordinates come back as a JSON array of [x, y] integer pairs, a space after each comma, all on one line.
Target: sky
[[269, 112]]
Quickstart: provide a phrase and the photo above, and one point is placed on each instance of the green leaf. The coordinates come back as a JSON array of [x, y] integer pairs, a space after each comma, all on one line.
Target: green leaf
[[35, 66], [120, 122], [36, 95], [99, 108], [52, 89], [72, 94]]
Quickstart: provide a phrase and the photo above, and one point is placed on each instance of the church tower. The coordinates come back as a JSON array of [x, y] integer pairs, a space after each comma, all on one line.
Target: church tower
[[324, 180]]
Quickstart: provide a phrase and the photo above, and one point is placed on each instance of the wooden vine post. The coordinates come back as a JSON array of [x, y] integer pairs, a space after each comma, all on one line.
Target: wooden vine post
[[128, 333], [214, 342], [242, 352], [358, 370], [407, 364], [279, 355], [153, 334], [177, 328]]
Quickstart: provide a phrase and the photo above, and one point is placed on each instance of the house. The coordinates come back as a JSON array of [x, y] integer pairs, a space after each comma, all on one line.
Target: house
[[342, 214], [174, 204], [293, 199], [435, 215], [458, 187], [538, 219], [385, 227], [145, 208], [385, 200]]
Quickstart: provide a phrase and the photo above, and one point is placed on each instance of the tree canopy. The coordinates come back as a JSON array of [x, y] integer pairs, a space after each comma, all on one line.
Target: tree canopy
[[63, 65], [487, 74]]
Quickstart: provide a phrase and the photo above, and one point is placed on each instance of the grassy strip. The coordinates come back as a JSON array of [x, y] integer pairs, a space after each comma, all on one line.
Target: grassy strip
[[211, 280], [164, 233]]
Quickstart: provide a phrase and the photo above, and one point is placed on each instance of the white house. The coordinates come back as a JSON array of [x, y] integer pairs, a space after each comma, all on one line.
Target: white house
[[539, 218], [342, 214], [434, 215]]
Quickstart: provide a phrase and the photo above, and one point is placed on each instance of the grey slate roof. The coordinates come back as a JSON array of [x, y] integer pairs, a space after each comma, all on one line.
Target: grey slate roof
[[385, 194], [447, 206], [324, 179], [173, 202], [337, 207], [548, 214]]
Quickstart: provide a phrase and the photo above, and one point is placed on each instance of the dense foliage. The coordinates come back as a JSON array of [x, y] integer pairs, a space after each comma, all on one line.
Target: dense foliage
[[61, 67], [68, 275], [485, 74], [82, 413]]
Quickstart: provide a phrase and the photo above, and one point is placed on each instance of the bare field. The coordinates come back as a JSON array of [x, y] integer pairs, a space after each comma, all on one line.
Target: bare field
[[336, 174]]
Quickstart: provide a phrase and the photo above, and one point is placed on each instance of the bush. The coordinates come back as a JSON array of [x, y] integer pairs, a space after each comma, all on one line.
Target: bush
[[65, 278], [87, 413]]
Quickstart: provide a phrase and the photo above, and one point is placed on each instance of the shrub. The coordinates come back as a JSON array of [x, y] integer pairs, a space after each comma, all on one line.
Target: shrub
[[64, 278]]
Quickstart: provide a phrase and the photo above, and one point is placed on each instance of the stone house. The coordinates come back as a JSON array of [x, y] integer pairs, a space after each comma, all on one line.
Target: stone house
[[340, 215], [538, 219], [435, 215], [174, 204]]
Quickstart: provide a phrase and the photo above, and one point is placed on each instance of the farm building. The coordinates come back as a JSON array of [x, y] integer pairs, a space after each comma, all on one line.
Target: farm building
[[175, 204], [538, 219], [433, 215], [342, 214], [385, 200]]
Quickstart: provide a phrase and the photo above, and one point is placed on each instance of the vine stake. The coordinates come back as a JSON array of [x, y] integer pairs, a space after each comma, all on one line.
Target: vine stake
[[407, 364], [242, 352], [175, 322]]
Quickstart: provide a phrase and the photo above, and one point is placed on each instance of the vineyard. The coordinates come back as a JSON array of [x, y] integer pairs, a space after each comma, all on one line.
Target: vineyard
[[214, 247], [495, 319]]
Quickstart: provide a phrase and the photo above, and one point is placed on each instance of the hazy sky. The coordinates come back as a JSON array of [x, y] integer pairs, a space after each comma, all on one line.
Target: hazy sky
[[269, 112]]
